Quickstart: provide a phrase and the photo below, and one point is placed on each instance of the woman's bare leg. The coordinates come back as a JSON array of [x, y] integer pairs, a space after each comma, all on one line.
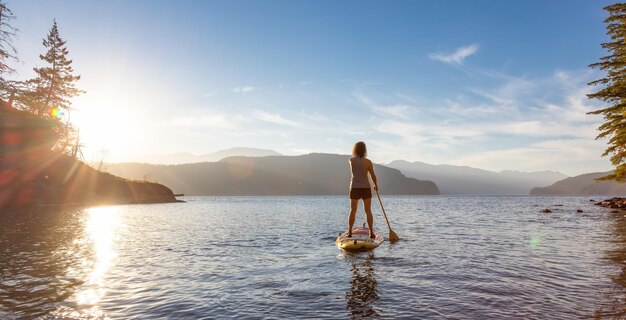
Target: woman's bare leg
[[367, 203], [354, 205]]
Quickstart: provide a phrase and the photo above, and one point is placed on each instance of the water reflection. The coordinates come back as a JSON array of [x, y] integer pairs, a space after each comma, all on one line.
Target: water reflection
[[101, 227], [615, 308], [53, 261], [37, 250], [363, 287]]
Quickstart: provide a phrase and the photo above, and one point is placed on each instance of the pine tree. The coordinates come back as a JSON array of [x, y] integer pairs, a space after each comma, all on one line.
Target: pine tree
[[7, 52], [52, 89], [613, 91], [54, 84]]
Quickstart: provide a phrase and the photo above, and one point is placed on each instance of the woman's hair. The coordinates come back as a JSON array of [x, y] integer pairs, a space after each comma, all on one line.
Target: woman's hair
[[359, 149]]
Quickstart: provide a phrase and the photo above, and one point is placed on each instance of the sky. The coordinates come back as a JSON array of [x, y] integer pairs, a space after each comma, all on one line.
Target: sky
[[497, 85]]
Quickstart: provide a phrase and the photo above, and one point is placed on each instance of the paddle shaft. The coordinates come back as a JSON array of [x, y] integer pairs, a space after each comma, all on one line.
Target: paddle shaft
[[382, 207], [393, 237]]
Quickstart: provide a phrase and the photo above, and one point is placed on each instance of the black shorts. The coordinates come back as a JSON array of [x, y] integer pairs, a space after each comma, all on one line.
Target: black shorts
[[360, 193]]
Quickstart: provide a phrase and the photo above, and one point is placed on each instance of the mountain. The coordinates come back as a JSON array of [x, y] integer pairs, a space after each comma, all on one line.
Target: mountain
[[583, 184], [233, 152], [472, 181], [182, 158], [311, 174]]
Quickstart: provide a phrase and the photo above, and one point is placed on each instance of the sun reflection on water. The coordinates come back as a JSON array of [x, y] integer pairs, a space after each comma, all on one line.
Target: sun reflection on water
[[101, 229]]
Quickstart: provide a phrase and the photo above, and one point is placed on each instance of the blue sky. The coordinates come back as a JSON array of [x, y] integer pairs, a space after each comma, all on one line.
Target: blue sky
[[489, 84]]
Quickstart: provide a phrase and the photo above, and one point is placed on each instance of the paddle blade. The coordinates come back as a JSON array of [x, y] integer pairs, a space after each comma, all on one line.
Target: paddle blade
[[393, 237]]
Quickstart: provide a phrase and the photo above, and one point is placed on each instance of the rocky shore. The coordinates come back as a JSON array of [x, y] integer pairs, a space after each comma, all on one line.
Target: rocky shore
[[613, 203]]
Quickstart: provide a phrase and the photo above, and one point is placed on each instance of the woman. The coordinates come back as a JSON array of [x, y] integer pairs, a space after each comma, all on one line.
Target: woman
[[360, 186]]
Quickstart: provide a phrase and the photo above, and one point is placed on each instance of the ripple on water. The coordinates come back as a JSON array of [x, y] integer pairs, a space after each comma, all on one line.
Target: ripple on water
[[274, 257]]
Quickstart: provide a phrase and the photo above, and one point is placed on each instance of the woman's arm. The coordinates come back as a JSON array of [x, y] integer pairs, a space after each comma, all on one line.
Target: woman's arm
[[372, 174]]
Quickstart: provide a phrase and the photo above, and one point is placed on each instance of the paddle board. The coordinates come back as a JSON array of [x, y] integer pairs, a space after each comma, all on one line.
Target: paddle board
[[360, 240]]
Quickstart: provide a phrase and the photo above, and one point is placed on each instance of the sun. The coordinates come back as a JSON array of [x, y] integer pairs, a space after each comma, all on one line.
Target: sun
[[106, 130]]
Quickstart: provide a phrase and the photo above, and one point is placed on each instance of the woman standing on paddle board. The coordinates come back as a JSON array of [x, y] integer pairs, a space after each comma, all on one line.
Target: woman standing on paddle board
[[360, 166]]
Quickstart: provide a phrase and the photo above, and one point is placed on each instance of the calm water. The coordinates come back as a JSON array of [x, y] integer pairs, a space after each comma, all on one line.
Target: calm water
[[260, 257]]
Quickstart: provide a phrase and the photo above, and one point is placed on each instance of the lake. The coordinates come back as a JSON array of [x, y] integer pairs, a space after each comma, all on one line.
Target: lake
[[275, 257]]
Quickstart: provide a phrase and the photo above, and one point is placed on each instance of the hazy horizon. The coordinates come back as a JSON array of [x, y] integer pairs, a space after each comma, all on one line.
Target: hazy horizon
[[506, 93], [159, 159]]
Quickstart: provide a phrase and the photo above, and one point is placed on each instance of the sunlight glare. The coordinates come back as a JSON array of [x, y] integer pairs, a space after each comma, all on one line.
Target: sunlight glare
[[101, 229], [106, 128]]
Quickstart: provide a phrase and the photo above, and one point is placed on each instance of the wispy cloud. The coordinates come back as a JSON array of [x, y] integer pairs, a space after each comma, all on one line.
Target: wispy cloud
[[207, 121], [503, 100], [275, 118], [244, 89], [402, 111], [457, 57], [397, 111], [499, 124]]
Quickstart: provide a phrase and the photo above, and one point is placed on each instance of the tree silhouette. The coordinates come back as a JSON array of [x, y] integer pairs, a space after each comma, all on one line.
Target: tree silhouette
[[8, 52], [613, 91], [53, 88], [54, 84]]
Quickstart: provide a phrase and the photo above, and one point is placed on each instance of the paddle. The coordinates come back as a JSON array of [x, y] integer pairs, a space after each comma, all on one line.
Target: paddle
[[393, 237]]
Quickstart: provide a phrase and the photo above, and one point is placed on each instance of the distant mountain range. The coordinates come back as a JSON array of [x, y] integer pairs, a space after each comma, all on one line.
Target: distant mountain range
[[461, 180], [182, 158], [311, 174], [251, 171], [584, 184]]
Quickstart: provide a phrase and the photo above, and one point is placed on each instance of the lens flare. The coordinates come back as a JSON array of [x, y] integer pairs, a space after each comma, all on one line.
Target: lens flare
[[56, 112], [534, 242]]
